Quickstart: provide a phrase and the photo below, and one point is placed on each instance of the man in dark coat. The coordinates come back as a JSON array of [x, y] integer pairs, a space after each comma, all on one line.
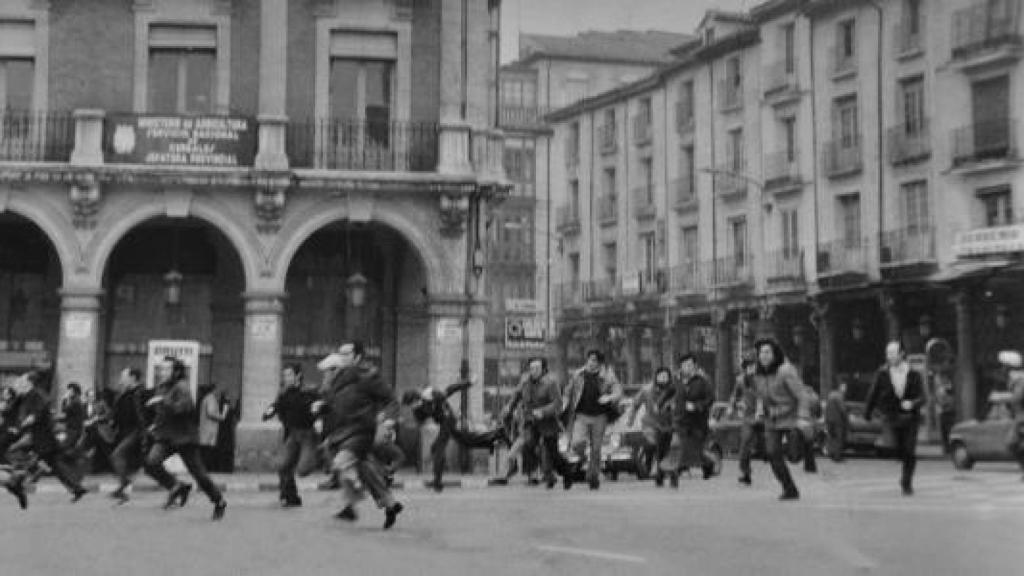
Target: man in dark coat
[[72, 414], [175, 429], [898, 393], [36, 429], [693, 399], [293, 407], [432, 404], [128, 415], [353, 398], [541, 405]]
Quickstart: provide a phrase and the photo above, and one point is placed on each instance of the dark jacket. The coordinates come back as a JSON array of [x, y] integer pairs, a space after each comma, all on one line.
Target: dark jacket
[[293, 408], [129, 412], [883, 396], [698, 391], [574, 391], [657, 404], [836, 413], [744, 398], [542, 395], [352, 399], [175, 420], [34, 405], [73, 416]]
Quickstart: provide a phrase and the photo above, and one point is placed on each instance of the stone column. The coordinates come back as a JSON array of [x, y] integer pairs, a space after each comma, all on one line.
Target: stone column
[[261, 373], [723, 354], [456, 131], [78, 351], [825, 323], [966, 383], [273, 59]]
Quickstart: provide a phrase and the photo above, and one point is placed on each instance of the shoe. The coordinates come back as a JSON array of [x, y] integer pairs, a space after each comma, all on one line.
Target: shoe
[[532, 482], [567, 482], [180, 494], [120, 496], [908, 490], [18, 490], [594, 483], [673, 480], [745, 479], [659, 480], [348, 513], [77, 494], [295, 502], [219, 508], [790, 495], [550, 483], [391, 514], [437, 486]]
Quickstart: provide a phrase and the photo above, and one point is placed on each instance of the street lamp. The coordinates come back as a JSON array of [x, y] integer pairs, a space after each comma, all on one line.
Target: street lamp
[[172, 287], [355, 289]]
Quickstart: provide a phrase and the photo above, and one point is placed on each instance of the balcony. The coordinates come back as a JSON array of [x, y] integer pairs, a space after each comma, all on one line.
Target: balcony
[[730, 95], [685, 194], [733, 271], [691, 278], [645, 206], [843, 158], [844, 257], [908, 246], [569, 294], [909, 143], [348, 144], [986, 34], [36, 136], [567, 220], [608, 137], [843, 65], [599, 290], [730, 185], [524, 117], [644, 283], [782, 172], [642, 132], [982, 145], [684, 118], [780, 80], [785, 268], [608, 209], [512, 253], [907, 42]]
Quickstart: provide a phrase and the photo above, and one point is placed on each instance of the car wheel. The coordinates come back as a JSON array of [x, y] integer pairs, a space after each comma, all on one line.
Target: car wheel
[[961, 459]]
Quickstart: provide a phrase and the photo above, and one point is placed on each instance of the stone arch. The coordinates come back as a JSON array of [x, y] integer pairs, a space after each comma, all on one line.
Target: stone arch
[[430, 253], [245, 243], [55, 227]]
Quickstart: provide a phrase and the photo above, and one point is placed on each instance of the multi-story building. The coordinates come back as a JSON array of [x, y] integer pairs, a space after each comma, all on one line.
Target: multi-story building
[[835, 174], [263, 177], [551, 72]]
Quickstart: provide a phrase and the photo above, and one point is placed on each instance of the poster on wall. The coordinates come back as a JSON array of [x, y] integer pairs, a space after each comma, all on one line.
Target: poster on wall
[[221, 141], [185, 350]]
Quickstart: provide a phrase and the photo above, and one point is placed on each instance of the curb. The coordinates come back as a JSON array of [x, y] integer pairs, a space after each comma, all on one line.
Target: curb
[[411, 485]]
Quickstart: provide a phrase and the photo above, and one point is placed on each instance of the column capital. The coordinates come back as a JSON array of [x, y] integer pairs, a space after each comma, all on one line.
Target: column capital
[[264, 302], [80, 298]]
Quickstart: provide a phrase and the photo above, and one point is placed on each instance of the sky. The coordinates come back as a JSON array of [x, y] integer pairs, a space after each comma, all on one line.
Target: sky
[[567, 17]]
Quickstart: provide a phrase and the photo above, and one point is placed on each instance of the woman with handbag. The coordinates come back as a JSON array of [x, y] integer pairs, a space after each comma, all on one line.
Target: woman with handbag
[[898, 393]]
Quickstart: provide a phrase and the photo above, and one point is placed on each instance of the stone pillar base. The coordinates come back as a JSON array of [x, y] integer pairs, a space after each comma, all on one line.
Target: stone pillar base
[[256, 446]]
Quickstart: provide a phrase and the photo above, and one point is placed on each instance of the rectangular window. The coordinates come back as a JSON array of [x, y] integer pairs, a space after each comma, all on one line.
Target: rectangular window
[[17, 77], [734, 155], [645, 110], [609, 121], [734, 71], [845, 129], [688, 170], [998, 205], [647, 178], [573, 143], [649, 246], [849, 220], [691, 250], [916, 216], [182, 76], [789, 47], [912, 99], [574, 270], [790, 237], [789, 130], [574, 199], [610, 185], [611, 261], [738, 240], [847, 34], [686, 101], [990, 111], [912, 17]]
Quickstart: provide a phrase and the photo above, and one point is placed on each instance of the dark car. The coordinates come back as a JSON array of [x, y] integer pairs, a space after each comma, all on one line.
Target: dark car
[[861, 435], [975, 440]]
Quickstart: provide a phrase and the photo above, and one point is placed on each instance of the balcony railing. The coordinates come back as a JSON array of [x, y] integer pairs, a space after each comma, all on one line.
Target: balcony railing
[[608, 208], [909, 143], [569, 294], [906, 245], [733, 270], [36, 136], [730, 94], [781, 169], [982, 141], [522, 116], [729, 181], [567, 219], [643, 283], [686, 193], [843, 256], [906, 40], [684, 118], [843, 158], [641, 129], [608, 136], [843, 63], [644, 197], [691, 277], [785, 266], [985, 27], [780, 76], [347, 144], [600, 290]]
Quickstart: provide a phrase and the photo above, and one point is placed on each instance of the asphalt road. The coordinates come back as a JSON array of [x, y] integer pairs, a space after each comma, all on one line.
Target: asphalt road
[[851, 519]]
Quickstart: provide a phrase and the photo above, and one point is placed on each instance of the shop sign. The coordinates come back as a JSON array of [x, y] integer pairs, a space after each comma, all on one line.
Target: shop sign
[[211, 141], [521, 306], [994, 240], [185, 350], [449, 330], [524, 332]]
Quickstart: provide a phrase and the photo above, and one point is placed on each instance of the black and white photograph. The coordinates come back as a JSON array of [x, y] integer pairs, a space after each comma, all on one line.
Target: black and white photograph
[[567, 287]]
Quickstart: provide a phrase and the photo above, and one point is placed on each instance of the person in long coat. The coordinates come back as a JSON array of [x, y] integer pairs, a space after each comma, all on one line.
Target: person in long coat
[[786, 410], [745, 405], [541, 404], [655, 400], [693, 397], [898, 393]]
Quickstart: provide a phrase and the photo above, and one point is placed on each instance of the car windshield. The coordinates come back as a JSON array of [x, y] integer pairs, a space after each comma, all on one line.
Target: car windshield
[[999, 411]]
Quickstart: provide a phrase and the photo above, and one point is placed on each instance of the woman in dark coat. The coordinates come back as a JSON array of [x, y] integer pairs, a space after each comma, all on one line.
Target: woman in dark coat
[[693, 397], [898, 393], [176, 430], [785, 407]]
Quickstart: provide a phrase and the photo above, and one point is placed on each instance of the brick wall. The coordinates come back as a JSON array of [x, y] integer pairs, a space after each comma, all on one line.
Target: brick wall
[[91, 54]]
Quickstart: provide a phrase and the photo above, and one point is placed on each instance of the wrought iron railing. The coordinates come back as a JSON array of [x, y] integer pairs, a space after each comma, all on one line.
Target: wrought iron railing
[[785, 266], [521, 116], [781, 169], [910, 244], [567, 218], [691, 277], [733, 270], [352, 144], [780, 76], [843, 63], [842, 158], [984, 27], [846, 255], [988, 140], [909, 142], [36, 136]]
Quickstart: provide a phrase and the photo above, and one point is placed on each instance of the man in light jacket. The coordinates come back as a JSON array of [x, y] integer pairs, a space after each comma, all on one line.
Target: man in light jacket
[[592, 395]]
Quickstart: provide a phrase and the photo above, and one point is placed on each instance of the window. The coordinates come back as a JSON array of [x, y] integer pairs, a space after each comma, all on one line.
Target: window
[[574, 199], [916, 217], [649, 248], [789, 132], [519, 93], [990, 99], [734, 154], [572, 145], [738, 240], [998, 205], [361, 90], [647, 179], [847, 35], [688, 172], [790, 237], [645, 110], [520, 165], [912, 17], [686, 102], [789, 47], [709, 36], [609, 121], [849, 220], [611, 260], [182, 69], [691, 250], [17, 76], [574, 270], [912, 98], [610, 185], [734, 72], [846, 128]]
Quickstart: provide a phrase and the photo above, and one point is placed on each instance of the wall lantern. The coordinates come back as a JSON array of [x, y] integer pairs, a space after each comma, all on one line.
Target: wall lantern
[[172, 287], [355, 289]]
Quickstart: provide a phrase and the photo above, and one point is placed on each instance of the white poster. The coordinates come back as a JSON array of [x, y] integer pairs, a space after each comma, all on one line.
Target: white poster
[[185, 350], [78, 325]]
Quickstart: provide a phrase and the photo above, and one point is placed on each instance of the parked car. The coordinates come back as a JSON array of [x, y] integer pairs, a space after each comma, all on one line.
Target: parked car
[[860, 434], [975, 440], [624, 450]]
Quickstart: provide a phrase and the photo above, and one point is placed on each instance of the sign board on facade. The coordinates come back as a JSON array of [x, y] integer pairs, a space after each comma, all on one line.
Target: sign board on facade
[[263, 328], [994, 240], [449, 330], [220, 141], [78, 325], [522, 306], [631, 284], [523, 332], [185, 350]]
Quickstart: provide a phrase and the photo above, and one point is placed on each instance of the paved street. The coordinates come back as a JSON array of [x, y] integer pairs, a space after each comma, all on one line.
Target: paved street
[[851, 520]]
